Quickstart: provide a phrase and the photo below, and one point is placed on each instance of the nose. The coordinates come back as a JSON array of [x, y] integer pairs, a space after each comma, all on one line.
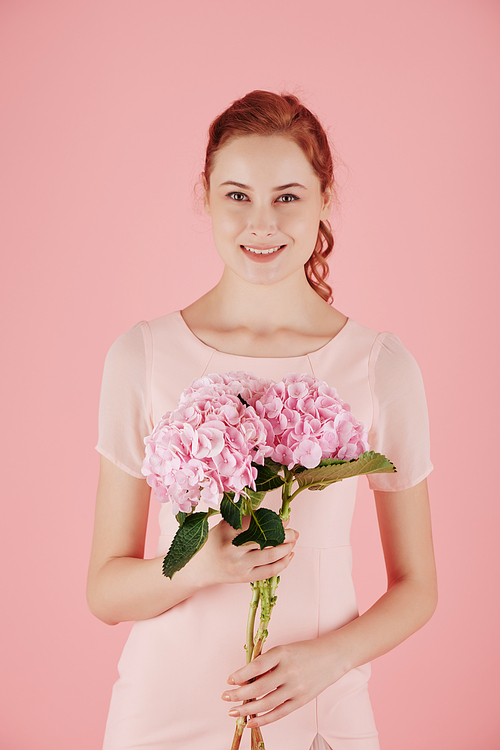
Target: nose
[[261, 222]]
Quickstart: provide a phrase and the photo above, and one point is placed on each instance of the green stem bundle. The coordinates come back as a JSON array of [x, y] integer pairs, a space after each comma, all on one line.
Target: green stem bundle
[[251, 621], [263, 593]]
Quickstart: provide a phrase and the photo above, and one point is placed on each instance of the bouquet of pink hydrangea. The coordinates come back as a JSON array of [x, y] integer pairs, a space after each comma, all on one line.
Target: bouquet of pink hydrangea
[[233, 438]]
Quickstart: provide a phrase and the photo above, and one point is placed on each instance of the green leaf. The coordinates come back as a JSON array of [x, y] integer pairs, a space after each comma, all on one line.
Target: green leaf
[[276, 467], [267, 478], [181, 517], [266, 529], [231, 511], [251, 500], [332, 470], [190, 538]]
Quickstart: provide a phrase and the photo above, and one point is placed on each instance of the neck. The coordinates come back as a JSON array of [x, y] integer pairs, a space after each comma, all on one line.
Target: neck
[[264, 308]]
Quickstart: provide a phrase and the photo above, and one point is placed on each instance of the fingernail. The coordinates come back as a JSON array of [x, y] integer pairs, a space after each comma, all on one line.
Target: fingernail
[[233, 712], [225, 697], [230, 681], [252, 723]]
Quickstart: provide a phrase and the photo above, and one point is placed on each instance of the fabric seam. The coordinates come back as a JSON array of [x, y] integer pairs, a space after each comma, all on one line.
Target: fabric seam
[[317, 631], [149, 353], [409, 485], [311, 365], [371, 378], [372, 359], [208, 363], [117, 462]]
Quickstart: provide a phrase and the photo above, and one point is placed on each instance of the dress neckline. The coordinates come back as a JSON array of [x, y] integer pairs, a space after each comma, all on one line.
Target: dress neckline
[[211, 349]]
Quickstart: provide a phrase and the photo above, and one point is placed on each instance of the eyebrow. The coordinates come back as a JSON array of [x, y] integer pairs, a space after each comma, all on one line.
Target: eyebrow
[[247, 187]]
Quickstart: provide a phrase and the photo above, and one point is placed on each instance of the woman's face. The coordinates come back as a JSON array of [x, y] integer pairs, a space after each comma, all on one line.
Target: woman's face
[[265, 202]]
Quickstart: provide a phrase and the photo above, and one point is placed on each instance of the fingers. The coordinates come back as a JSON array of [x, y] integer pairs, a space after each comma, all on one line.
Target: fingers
[[242, 564], [291, 535], [262, 572], [270, 554], [278, 682], [256, 706], [266, 695], [279, 712], [256, 668], [271, 561], [277, 704], [253, 690]]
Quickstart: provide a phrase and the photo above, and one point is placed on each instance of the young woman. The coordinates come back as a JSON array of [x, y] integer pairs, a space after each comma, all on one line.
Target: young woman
[[268, 189]]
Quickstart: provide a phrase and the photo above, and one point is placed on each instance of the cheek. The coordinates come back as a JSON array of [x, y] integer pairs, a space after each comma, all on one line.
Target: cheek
[[303, 225], [227, 223]]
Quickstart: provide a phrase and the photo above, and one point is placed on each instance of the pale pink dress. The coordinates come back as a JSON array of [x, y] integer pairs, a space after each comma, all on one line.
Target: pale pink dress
[[174, 667]]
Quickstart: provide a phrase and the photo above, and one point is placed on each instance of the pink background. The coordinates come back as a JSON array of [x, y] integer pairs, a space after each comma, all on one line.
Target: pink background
[[104, 109]]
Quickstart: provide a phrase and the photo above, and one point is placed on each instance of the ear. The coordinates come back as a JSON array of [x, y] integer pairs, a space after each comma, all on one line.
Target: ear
[[206, 197], [327, 200]]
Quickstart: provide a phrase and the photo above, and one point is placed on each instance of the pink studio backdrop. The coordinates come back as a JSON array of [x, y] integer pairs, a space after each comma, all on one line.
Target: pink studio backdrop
[[104, 107]]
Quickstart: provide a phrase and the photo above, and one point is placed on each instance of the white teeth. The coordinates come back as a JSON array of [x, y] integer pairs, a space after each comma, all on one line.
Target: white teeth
[[262, 252]]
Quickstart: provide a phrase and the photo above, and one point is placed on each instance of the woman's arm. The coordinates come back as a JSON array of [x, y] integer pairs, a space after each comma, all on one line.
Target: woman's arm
[[123, 586], [290, 676], [411, 598]]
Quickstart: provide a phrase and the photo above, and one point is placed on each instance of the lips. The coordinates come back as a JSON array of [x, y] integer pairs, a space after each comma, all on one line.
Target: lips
[[262, 254], [262, 250]]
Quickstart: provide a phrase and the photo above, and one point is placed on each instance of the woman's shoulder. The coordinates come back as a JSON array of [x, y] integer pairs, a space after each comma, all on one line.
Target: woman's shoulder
[[131, 336], [128, 356], [379, 342], [378, 353], [389, 360], [139, 337]]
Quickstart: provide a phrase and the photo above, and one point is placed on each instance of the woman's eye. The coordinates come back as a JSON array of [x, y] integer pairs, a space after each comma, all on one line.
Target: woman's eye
[[238, 197], [241, 197]]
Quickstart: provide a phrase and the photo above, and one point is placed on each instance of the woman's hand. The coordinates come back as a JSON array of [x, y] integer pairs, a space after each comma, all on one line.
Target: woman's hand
[[288, 677], [284, 679], [219, 561]]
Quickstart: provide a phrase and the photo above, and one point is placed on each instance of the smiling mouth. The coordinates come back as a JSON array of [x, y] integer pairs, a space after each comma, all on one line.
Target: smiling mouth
[[260, 251]]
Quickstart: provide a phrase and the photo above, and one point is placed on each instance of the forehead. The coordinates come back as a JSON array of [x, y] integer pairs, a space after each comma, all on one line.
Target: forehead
[[262, 158]]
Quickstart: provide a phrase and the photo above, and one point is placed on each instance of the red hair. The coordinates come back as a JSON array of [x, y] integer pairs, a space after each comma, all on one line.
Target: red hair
[[265, 113]]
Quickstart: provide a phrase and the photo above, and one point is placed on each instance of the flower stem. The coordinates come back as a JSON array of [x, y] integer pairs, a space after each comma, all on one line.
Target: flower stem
[[267, 602], [299, 489], [286, 495], [238, 732], [249, 646], [257, 739]]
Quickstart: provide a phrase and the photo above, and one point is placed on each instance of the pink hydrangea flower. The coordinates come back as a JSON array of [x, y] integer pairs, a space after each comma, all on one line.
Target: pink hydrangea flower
[[309, 422], [207, 445]]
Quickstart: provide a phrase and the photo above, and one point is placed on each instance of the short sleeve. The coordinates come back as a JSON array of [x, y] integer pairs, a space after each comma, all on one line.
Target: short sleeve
[[125, 403], [400, 428]]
